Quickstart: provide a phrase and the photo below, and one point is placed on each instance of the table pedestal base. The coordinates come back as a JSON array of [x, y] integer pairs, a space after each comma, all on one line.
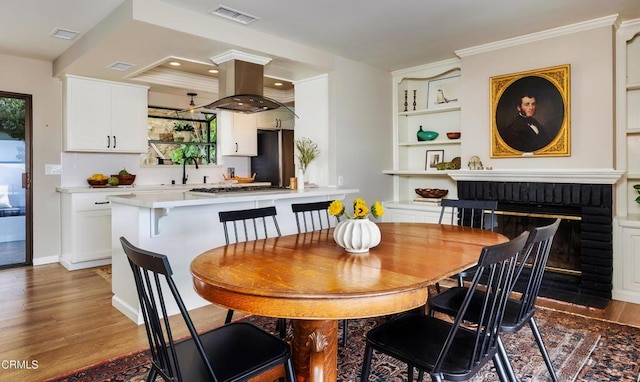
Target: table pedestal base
[[315, 350]]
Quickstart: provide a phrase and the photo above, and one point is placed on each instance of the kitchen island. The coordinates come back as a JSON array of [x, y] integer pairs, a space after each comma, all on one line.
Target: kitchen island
[[182, 225]]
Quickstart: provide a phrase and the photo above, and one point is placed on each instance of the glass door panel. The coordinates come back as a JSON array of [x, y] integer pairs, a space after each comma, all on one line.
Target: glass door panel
[[13, 179]]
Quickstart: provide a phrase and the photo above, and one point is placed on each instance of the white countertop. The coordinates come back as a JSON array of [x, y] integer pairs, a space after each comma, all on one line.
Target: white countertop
[[156, 187], [182, 198]]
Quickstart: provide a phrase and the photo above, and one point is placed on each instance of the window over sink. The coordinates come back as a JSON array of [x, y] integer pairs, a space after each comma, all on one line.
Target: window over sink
[[175, 134]]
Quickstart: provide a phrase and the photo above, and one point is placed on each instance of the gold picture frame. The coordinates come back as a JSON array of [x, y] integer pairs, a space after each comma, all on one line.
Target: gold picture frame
[[530, 113]]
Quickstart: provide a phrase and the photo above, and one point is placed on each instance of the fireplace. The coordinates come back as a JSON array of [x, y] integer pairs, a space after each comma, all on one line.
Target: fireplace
[[580, 268]]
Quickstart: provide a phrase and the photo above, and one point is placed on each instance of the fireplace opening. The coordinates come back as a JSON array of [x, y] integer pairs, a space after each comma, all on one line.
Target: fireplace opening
[[580, 266]]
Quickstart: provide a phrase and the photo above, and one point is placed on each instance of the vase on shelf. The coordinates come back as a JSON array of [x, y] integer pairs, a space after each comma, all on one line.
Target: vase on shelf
[[185, 135], [426, 135], [357, 235]]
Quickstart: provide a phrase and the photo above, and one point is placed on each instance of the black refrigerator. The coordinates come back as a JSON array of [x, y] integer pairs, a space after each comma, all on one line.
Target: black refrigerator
[[275, 160]]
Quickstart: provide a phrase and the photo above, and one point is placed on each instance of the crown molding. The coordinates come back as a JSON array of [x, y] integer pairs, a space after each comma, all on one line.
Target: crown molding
[[539, 36]]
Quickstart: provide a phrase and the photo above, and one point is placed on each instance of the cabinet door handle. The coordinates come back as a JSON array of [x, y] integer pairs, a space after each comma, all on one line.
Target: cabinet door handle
[[236, 146], [107, 202], [108, 141], [114, 141]]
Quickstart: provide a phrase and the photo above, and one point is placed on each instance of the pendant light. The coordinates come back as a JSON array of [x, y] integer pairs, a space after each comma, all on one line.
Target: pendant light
[[192, 104]]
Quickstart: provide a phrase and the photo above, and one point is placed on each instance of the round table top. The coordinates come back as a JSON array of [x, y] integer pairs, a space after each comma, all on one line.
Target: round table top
[[308, 276]]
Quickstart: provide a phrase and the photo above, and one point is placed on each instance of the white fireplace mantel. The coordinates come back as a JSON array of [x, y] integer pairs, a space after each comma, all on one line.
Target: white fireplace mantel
[[585, 176]]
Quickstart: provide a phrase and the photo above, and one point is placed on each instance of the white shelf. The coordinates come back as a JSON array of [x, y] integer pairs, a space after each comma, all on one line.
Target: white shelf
[[633, 175], [417, 172], [633, 86], [633, 131], [430, 143], [434, 110]]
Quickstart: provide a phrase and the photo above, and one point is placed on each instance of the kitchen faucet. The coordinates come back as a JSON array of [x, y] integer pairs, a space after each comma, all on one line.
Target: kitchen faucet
[[184, 167]]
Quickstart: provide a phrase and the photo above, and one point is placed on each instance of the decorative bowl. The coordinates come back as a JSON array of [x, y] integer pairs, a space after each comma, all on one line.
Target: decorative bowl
[[426, 135], [93, 182], [431, 192], [125, 180], [453, 135]]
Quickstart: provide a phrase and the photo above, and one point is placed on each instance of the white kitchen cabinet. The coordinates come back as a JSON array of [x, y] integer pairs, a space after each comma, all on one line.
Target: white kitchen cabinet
[[412, 213], [276, 119], [86, 229], [104, 116], [237, 134]]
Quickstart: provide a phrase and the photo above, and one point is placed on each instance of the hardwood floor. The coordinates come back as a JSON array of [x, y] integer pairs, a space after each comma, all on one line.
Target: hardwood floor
[[56, 321]]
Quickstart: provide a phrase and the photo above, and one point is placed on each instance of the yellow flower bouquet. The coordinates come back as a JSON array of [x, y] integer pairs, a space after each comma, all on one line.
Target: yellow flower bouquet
[[356, 234], [360, 209]]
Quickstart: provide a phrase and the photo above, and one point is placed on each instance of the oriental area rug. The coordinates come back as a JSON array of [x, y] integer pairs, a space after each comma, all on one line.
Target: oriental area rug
[[581, 349]]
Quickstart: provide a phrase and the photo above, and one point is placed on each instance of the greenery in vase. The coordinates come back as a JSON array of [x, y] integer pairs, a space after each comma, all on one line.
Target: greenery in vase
[[185, 151], [360, 209], [307, 152], [637, 187]]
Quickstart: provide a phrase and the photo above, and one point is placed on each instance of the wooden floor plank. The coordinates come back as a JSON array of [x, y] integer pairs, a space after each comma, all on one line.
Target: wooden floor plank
[[65, 320]]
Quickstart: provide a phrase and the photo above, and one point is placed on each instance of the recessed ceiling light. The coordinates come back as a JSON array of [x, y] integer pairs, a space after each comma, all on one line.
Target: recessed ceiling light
[[120, 66], [64, 34], [213, 71], [174, 63], [277, 84]]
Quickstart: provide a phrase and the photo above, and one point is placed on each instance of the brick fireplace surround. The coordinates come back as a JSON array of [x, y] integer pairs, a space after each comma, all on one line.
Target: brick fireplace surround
[[592, 203], [587, 194]]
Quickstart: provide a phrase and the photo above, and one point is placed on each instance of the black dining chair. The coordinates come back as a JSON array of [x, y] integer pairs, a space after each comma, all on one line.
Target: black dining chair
[[519, 311], [468, 213], [453, 350], [233, 352], [315, 216], [247, 225]]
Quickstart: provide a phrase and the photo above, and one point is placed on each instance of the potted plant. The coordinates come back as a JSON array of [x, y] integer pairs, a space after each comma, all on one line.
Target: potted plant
[[307, 152], [183, 130]]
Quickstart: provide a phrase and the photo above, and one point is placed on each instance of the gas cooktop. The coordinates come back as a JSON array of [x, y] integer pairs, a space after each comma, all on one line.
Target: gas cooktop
[[233, 188]]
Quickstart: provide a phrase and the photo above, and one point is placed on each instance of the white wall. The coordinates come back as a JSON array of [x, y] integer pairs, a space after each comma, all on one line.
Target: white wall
[[28, 76], [360, 128], [591, 56]]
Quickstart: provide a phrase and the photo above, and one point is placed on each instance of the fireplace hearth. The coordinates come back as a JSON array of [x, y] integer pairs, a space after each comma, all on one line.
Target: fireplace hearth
[[580, 268]]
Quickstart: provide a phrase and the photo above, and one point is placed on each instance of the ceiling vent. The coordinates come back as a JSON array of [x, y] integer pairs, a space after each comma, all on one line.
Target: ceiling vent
[[232, 14], [64, 34], [120, 66]]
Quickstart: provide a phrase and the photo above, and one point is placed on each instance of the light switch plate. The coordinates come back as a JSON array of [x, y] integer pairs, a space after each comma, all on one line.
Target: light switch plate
[[52, 169]]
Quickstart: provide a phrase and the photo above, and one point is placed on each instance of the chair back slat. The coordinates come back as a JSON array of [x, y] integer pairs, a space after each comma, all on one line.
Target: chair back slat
[[497, 268], [313, 216], [469, 213], [151, 271], [534, 257], [252, 222]]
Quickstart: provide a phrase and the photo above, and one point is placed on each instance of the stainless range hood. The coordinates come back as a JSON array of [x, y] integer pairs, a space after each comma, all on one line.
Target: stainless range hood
[[241, 84]]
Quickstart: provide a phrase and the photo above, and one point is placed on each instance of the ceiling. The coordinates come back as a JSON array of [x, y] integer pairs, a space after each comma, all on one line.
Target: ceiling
[[297, 35]]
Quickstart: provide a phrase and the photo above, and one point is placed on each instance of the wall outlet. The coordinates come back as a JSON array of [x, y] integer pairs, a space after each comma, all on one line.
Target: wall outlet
[[340, 180]]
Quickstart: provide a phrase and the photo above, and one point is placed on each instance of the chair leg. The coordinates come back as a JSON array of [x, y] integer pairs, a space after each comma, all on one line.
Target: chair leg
[[288, 369], [507, 368], [345, 332], [229, 316], [366, 364], [460, 280], [151, 377], [543, 349], [499, 364], [409, 373], [281, 327]]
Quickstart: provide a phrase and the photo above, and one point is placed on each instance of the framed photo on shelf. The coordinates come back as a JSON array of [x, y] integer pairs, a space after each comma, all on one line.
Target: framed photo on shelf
[[443, 92], [433, 158], [530, 113]]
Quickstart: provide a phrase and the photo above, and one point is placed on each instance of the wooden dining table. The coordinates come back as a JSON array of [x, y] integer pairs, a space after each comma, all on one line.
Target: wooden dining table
[[309, 279]]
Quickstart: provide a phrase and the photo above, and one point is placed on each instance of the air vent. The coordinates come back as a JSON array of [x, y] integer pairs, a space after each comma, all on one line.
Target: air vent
[[120, 66], [64, 34], [232, 14]]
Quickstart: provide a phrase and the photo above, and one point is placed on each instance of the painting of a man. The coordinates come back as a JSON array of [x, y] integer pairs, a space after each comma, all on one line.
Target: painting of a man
[[529, 115]]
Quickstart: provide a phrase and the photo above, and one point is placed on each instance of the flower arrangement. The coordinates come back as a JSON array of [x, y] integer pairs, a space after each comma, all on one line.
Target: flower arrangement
[[637, 187], [307, 152], [360, 209]]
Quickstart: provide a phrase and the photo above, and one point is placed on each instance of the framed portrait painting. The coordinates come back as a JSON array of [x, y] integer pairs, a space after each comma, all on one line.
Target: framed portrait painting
[[530, 113]]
